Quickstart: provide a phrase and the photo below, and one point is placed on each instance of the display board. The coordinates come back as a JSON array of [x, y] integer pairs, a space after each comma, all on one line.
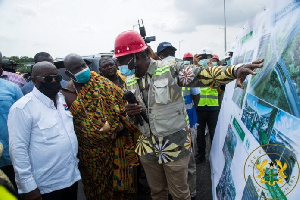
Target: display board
[[256, 148]]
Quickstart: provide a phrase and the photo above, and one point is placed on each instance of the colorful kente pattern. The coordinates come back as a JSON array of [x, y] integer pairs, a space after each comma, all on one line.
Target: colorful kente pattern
[[96, 150]]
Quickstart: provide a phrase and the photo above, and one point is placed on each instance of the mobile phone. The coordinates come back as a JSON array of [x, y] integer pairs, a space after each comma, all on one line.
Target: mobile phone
[[203, 56]]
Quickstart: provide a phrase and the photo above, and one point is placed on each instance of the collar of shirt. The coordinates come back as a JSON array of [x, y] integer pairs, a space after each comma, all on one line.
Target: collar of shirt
[[43, 98], [152, 66]]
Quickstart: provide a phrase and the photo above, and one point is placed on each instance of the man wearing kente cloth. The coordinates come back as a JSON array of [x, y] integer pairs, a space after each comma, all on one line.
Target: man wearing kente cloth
[[98, 110]]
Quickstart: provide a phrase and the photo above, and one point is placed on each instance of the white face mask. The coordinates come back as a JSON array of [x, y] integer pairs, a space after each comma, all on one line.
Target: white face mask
[[214, 64], [203, 62], [169, 59]]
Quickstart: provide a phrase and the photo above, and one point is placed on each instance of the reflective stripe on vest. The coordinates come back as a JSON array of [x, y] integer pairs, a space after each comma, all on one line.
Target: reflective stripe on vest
[[188, 101], [161, 70], [187, 120], [209, 97], [131, 81]]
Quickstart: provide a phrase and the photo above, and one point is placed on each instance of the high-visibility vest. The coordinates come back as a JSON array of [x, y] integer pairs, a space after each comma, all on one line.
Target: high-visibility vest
[[208, 97], [166, 108]]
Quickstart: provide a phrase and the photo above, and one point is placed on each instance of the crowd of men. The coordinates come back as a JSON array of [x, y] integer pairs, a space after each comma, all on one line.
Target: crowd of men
[[138, 117]]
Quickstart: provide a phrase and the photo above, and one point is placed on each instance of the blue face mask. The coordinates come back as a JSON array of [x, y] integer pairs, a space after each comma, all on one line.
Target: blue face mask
[[186, 62], [203, 62], [125, 71], [228, 62], [83, 76], [214, 64]]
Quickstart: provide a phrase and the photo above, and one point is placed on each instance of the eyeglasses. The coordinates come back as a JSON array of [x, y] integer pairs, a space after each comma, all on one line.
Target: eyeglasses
[[130, 61], [50, 78]]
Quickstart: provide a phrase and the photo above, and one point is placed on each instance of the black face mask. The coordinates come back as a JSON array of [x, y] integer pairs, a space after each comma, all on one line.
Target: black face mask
[[50, 89]]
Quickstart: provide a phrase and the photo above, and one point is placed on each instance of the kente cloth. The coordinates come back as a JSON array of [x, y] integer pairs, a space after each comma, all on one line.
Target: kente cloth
[[125, 158], [101, 101]]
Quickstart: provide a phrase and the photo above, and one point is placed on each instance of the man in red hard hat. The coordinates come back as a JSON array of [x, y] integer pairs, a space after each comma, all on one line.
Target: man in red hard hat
[[188, 58], [165, 144], [214, 60]]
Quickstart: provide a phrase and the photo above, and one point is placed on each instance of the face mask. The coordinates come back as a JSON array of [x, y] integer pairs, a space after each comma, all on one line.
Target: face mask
[[203, 62], [169, 59], [83, 76], [49, 89], [228, 62], [214, 64], [186, 62], [125, 71]]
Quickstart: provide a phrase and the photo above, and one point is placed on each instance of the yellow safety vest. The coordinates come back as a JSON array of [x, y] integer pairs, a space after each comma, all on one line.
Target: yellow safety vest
[[208, 97], [5, 194]]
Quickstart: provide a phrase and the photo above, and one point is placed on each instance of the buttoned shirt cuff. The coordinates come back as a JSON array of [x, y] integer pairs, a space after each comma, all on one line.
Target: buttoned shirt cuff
[[27, 186], [236, 68]]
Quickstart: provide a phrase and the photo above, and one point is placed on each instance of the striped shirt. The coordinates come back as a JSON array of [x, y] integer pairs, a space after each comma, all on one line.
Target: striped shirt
[[13, 77]]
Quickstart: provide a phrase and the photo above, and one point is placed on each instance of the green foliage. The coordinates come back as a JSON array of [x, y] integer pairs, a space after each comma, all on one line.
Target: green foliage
[[291, 58], [24, 69], [272, 92], [21, 61]]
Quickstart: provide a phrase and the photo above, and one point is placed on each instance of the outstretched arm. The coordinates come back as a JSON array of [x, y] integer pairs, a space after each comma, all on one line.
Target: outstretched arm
[[194, 76]]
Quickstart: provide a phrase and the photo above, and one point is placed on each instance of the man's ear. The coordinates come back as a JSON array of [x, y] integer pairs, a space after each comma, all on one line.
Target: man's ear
[[35, 81], [71, 76]]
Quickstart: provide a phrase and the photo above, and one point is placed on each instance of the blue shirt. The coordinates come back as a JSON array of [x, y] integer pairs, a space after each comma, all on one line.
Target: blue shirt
[[28, 87], [189, 105], [9, 94]]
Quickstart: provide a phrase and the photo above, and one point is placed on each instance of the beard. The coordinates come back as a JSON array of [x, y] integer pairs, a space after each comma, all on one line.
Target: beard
[[50, 89]]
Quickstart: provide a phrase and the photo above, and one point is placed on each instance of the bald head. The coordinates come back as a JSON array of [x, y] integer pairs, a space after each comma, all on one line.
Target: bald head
[[44, 68], [73, 61]]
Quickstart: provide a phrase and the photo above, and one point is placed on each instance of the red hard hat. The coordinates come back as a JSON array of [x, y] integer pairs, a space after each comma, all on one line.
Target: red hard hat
[[215, 57], [187, 55], [129, 42]]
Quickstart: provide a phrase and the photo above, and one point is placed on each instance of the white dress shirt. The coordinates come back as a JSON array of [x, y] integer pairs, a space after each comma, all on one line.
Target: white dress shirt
[[42, 143]]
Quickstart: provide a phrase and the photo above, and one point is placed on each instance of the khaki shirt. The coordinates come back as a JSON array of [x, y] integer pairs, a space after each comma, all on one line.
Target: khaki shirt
[[178, 144]]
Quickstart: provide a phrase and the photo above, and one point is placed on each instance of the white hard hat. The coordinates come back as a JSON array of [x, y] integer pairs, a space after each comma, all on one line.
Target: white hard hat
[[206, 51], [227, 55]]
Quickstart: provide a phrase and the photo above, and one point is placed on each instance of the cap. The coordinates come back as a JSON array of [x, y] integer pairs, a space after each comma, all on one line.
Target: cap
[[206, 51], [215, 57], [162, 46]]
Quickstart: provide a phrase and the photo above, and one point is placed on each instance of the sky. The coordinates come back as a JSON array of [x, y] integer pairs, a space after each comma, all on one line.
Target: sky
[[288, 125], [60, 27]]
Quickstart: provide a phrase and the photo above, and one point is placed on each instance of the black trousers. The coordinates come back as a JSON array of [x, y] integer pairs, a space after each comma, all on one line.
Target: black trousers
[[69, 193], [209, 117], [10, 173]]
